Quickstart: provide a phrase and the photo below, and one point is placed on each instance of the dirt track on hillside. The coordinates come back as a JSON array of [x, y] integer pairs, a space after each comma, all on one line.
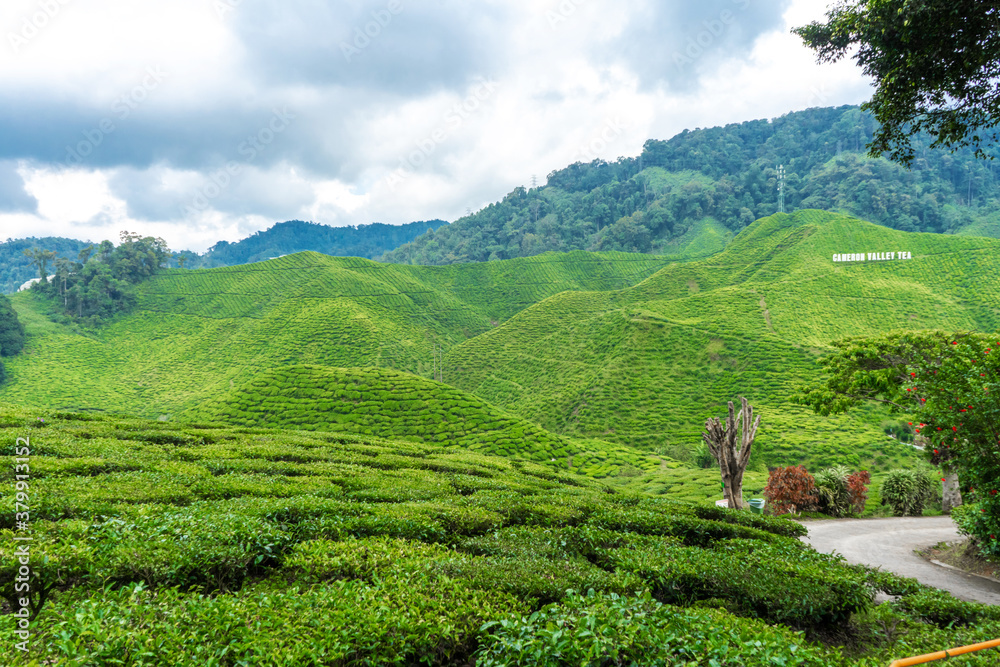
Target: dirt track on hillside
[[890, 543]]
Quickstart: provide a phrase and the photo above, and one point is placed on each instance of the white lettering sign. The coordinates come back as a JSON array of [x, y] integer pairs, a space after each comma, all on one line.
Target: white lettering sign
[[871, 256]]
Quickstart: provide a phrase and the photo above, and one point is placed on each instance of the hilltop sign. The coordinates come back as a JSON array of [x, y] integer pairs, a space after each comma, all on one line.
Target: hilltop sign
[[871, 256]]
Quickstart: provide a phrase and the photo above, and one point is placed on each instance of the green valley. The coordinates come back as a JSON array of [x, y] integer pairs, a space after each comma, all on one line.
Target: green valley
[[619, 358]]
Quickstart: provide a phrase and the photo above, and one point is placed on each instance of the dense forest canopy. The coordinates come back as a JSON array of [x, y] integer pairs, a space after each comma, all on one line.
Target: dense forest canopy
[[16, 268], [727, 174], [99, 284]]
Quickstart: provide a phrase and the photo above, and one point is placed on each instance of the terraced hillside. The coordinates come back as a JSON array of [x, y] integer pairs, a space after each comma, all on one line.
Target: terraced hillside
[[646, 365], [167, 545], [634, 350], [389, 404], [197, 334]]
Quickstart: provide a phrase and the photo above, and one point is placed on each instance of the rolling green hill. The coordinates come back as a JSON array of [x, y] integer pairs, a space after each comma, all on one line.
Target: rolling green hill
[[646, 365], [215, 335], [389, 404], [634, 350]]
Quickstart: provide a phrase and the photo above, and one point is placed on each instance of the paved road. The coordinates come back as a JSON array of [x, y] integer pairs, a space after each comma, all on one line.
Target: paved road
[[890, 543]]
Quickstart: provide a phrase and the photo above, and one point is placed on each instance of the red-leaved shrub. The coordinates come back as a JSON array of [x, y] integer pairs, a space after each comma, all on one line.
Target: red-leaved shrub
[[790, 489], [857, 486]]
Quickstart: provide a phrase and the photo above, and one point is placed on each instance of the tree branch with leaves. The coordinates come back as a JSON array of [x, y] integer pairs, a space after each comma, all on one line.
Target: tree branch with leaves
[[935, 64]]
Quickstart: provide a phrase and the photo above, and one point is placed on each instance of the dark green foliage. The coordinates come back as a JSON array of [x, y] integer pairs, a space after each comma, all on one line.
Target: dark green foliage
[[781, 582], [935, 64], [907, 491], [11, 329], [832, 493], [713, 183], [690, 530], [101, 284], [16, 268], [776, 525], [942, 609]]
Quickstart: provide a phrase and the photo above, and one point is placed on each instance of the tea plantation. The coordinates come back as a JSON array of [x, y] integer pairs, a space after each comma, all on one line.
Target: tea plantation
[[195, 545], [647, 365], [196, 334], [619, 357], [390, 404]]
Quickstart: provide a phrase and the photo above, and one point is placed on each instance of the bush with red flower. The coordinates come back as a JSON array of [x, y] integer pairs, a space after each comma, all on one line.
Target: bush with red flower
[[950, 383]]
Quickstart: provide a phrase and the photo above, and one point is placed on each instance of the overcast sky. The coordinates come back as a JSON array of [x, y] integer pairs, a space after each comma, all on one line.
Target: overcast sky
[[201, 120]]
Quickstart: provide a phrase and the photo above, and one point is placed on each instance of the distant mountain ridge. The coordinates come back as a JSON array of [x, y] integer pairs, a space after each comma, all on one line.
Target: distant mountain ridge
[[283, 238], [286, 238], [724, 177]]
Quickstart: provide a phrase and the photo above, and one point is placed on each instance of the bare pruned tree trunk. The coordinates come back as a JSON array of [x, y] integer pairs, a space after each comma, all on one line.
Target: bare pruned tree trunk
[[731, 447]]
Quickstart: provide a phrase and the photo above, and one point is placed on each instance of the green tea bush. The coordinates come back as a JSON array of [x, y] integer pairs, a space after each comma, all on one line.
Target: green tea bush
[[889, 582], [943, 610], [367, 558], [596, 629], [907, 492], [188, 548], [538, 580], [776, 525], [691, 530], [60, 557], [274, 624], [782, 583]]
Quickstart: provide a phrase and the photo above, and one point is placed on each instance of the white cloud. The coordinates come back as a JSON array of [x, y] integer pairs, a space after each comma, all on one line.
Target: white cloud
[[574, 80]]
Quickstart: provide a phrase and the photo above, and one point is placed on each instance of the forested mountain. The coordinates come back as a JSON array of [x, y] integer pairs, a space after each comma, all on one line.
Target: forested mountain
[[284, 238], [727, 175]]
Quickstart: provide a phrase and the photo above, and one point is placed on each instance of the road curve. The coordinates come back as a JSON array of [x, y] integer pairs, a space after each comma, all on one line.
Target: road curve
[[890, 543]]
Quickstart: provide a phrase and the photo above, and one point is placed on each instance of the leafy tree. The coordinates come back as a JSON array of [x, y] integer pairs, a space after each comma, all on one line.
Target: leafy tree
[[100, 285], [936, 65], [40, 259], [950, 383], [906, 492]]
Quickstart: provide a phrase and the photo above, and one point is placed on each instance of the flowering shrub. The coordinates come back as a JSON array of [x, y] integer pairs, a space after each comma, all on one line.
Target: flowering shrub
[[950, 383], [974, 520], [959, 399]]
